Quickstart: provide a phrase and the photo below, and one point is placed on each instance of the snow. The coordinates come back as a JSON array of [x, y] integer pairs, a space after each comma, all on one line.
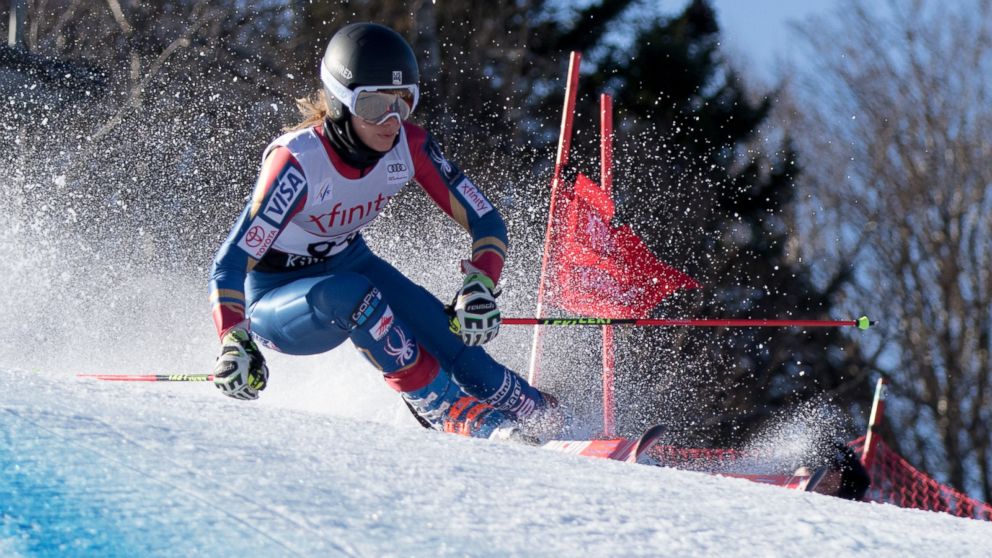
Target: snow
[[175, 469]]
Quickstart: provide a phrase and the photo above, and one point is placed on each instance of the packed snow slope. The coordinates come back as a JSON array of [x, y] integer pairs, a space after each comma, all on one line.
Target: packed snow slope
[[138, 469]]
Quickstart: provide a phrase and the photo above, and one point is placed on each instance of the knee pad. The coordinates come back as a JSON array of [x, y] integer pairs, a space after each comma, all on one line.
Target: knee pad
[[349, 299], [385, 341]]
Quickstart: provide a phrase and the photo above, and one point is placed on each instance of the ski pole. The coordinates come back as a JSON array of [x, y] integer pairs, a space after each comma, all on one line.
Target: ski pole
[[861, 323], [150, 377]]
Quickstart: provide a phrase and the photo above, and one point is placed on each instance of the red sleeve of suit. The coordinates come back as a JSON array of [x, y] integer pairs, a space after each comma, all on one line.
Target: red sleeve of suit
[[457, 196], [249, 239]]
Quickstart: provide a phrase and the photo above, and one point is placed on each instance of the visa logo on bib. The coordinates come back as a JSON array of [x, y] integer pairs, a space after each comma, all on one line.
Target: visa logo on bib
[[284, 195]]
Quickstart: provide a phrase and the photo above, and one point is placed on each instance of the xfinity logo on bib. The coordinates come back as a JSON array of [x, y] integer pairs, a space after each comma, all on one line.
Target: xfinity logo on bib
[[283, 195], [474, 197], [344, 217]]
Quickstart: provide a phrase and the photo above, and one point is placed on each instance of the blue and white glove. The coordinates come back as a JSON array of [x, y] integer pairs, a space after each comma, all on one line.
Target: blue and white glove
[[240, 371], [474, 314]]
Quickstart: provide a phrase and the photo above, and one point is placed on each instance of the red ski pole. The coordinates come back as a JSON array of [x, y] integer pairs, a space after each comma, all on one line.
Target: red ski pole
[[149, 377], [861, 323]]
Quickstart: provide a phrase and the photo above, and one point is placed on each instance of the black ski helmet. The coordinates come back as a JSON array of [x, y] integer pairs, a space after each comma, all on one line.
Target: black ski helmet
[[365, 55]]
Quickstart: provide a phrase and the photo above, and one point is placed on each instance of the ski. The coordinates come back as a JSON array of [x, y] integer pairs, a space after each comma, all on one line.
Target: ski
[[630, 450], [805, 482]]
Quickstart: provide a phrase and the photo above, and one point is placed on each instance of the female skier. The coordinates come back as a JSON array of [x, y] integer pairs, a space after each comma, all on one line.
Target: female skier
[[296, 275]]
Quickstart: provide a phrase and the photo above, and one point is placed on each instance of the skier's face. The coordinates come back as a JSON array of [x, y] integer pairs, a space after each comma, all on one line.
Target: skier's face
[[379, 137]]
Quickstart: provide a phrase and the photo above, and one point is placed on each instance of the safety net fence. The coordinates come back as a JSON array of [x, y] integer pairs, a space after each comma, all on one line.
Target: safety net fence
[[895, 481], [892, 479]]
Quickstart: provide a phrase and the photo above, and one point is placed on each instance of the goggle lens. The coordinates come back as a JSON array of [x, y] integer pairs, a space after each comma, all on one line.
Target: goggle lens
[[378, 106]]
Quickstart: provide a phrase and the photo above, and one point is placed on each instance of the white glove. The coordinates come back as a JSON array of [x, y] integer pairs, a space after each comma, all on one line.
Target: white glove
[[474, 314], [240, 371]]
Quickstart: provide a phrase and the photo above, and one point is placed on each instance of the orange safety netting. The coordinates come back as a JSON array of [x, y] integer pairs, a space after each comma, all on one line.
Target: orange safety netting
[[895, 481]]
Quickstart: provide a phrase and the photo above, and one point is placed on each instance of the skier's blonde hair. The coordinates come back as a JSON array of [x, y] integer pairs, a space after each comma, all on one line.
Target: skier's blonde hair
[[313, 109]]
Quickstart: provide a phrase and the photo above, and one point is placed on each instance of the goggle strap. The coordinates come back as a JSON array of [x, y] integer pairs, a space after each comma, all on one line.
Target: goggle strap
[[338, 89]]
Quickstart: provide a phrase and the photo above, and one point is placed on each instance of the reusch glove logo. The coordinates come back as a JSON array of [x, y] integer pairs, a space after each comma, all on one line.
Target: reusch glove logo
[[480, 307]]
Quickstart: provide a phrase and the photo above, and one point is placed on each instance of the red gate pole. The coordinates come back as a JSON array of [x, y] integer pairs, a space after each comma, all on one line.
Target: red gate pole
[[606, 183], [564, 143]]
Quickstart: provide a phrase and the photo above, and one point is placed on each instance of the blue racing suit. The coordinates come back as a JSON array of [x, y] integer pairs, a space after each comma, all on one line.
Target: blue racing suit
[[296, 270]]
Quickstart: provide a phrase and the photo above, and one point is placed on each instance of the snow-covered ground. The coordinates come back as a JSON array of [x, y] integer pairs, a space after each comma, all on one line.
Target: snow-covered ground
[[134, 469]]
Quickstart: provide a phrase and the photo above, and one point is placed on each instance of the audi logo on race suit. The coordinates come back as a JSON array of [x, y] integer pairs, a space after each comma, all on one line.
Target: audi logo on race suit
[[397, 173]]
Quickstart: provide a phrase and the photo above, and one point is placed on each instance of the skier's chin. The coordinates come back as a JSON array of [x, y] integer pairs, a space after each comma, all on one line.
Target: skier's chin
[[383, 142], [378, 137]]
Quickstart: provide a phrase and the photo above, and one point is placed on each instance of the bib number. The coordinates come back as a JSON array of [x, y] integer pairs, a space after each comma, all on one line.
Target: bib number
[[328, 248]]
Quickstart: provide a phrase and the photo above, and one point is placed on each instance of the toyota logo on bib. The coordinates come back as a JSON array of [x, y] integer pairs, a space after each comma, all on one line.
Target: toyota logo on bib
[[255, 236]]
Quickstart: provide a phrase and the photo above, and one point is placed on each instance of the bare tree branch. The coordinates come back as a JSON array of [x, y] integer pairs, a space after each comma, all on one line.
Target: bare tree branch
[[903, 96]]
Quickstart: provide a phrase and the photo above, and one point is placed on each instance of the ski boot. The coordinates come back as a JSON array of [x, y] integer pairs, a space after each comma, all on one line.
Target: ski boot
[[442, 405]]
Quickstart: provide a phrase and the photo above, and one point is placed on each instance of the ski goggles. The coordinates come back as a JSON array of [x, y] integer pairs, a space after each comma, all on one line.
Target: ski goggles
[[375, 103]]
